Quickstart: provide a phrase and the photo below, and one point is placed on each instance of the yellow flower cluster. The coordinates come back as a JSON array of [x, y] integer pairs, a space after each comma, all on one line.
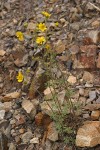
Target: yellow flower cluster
[[20, 77], [40, 40], [46, 14], [20, 36], [42, 27]]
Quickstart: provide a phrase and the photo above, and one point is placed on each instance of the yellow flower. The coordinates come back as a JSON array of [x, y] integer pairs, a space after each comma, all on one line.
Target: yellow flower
[[40, 40], [46, 14], [42, 27], [56, 24], [20, 77], [47, 46], [20, 36]]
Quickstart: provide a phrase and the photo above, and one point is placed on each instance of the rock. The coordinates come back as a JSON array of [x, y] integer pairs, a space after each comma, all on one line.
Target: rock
[[98, 100], [90, 50], [74, 49], [2, 52], [86, 61], [98, 61], [95, 36], [26, 137], [92, 95], [11, 96], [39, 119], [88, 85], [88, 77], [81, 91], [1, 106], [95, 24], [92, 107], [20, 119], [88, 135], [2, 114], [28, 106], [95, 115], [31, 26], [42, 120], [21, 62], [48, 93], [89, 6], [7, 5], [86, 116], [71, 79], [59, 47], [7, 106], [45, 107], [12, 146], [48, 90], [35, 140], [52, 133], [75, 26]]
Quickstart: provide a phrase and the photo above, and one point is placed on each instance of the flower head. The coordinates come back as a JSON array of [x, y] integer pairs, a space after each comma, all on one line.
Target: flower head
[[42, 27], [20, 77], [20, 36], [47, 46], [40, 40], [46, 14], [56, 24]]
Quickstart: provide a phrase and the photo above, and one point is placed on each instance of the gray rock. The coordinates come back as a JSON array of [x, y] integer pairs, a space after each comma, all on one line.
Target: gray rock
[[98, 100], [92, 95], [26, 137], [2, 114]]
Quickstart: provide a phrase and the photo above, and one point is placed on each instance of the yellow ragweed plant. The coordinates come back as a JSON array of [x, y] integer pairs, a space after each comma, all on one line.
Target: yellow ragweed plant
[[20, 36], [46, 14], [20, 77], [40, 40], [42, 27]]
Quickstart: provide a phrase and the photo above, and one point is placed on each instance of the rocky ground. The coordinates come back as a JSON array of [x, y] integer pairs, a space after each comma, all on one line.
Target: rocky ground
[[25, 123]]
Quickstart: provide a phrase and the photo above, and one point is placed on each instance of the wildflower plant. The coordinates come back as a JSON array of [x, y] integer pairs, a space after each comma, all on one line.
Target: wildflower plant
[[48, 59]]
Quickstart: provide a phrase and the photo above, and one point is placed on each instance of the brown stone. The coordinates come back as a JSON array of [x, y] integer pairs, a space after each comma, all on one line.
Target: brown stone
[[11, 96], [52, 133], [87, 62], [88, 77], [96, 23], [92, 107], [59, 47], [95, 36], [89, 50], [74, 49], [95, 115], [42, 120], [89, 134], [2, 52]]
